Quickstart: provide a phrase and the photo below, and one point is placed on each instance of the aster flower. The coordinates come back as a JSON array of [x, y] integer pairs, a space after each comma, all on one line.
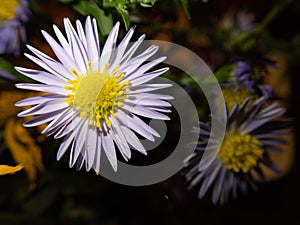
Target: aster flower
[[95, 100], [253, 131], [250, 76], [13, 15], [6, 75]]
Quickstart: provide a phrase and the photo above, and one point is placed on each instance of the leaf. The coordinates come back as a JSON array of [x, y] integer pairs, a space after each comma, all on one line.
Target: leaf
[[5, 169], [225, 73], [185, 7], [125, 16], [7, 70], [148, 3], [65, 1], [23, 149], [105, 22]]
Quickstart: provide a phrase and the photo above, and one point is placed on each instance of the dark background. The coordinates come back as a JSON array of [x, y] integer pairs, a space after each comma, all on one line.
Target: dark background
[[65, 196]]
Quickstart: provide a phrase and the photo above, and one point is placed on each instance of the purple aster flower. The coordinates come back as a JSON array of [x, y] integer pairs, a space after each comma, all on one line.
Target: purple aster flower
[[250, 76], [13, 15], [253, 131], [6, 75]]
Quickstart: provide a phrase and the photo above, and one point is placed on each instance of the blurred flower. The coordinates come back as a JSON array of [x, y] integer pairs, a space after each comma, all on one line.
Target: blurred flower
[[13, 15], [253, 131], [94, 101], [251, 77], [6, 75], [238, 21]]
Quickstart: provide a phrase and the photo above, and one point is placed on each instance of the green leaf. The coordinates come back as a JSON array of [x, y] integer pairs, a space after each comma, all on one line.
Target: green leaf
[[185, 7], [105, 22], [125, 16], [225, 73], [148, 3], [65, 1], [7, 66]]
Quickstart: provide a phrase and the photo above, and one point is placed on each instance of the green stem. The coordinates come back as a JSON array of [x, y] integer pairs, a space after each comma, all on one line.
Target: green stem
[[272, 14]]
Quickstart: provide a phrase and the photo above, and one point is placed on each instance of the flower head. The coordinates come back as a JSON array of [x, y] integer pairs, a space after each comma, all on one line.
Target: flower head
[[253, 131], [13, 15], [6, 75], [94, 100], [251, 75]]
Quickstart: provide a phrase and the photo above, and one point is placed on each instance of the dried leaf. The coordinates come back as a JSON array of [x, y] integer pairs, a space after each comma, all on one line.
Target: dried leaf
[[5, 169]]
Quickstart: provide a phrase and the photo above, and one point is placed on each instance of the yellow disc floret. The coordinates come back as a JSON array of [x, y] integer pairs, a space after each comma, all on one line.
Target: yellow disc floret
[[7, 9], [234, 96], [240, 152], [97, 95]]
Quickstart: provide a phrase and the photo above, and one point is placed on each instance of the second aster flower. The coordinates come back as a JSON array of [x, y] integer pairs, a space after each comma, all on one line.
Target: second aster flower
[[254, 130], [94, 100]]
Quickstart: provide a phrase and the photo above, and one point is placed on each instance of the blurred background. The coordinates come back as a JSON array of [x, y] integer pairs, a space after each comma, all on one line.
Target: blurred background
[[49, 192]]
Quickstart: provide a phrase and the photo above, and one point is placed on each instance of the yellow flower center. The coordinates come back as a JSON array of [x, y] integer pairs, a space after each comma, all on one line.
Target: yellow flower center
[[7, 9], [234, 96], [97, 95], [240, 152]]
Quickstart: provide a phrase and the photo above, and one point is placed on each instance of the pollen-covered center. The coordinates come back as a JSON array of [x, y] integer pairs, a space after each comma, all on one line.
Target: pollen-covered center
[[240, 152], [234, 96], [7, 9], [97, 95]]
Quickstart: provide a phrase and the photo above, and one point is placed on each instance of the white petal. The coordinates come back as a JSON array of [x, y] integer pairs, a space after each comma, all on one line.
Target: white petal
[[120, 139], [48, 107], [61, 54], [91, 147], [143, 78], [135, 124], [64, 118], [81, 34], [64, 145], [43, 88], [93, 49], [109, 149], [78, 51], [80, 138], [148, 87], [41, 76], [144, 68], [55, 66], [131, 51], [122, 47], [143, 111], [135, 62], [160, 109], [97, 160], [64, 43], [133, 140], [109, 46], [41, 119], [147, 102], [67, 128], [38, 100], [151, 95]]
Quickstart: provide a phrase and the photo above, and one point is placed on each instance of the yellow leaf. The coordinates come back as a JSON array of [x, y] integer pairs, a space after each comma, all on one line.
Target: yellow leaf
[[5, 169], [24, 149]]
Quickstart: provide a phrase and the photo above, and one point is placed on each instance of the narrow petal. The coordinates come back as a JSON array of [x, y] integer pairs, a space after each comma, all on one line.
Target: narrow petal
[[93, 48], [109, 46], [38, 100], [133, 140], [109, 149]]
